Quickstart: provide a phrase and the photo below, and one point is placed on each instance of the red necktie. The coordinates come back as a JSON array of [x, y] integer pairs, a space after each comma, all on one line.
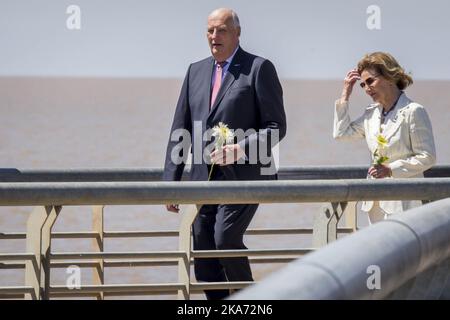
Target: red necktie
[[217, 81]]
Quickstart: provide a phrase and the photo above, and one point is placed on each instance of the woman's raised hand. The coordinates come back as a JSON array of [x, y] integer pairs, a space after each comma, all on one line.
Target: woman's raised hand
[[349, 82]]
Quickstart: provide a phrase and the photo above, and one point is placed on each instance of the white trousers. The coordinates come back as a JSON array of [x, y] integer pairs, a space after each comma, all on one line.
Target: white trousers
[[376, 213]]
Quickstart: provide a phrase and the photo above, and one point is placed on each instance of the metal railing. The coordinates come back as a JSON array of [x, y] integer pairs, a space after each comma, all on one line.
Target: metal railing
[[51, 190], [155, 174], [412, 249]]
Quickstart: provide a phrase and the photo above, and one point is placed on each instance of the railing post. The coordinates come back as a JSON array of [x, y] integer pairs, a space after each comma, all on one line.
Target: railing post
[[98, 245], [184, 264], [351, 217], [37, 272], [46, 249], [325, 223]]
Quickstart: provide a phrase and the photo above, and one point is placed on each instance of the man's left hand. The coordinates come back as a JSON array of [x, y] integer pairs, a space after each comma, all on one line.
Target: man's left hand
[[228, 154]]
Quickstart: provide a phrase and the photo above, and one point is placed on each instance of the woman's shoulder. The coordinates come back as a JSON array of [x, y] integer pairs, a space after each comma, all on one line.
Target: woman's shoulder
[[408, 105], [371, 108], [413, 108]]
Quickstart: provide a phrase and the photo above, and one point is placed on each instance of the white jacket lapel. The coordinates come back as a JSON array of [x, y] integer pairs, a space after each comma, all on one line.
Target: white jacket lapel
[[398, 117], [374, 128]]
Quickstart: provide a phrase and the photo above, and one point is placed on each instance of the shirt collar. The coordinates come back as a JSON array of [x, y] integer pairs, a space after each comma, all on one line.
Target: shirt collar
[[396, 103]]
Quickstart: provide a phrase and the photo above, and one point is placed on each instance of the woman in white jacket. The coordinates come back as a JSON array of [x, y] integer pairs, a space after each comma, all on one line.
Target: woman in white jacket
[[403, 126]]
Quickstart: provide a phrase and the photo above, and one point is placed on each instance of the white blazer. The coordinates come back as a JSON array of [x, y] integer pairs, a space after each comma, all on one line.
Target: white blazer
[[410, 146]]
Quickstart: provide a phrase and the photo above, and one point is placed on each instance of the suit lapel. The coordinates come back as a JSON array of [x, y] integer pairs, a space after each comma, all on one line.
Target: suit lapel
[[398, 117], [207, 88], [374, 127], [230, 77]]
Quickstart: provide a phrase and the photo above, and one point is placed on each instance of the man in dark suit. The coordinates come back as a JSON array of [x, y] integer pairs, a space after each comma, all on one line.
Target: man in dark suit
[[242, 91]]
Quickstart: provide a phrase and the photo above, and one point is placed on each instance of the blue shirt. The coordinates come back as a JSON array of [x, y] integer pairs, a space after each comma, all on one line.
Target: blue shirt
[[225, 68]]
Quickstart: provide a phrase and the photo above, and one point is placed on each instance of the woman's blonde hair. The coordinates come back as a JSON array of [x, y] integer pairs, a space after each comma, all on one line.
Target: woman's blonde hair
[[386, 65]]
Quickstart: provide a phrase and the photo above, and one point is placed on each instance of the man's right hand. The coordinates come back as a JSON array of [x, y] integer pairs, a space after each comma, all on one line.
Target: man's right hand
[[173, 208]]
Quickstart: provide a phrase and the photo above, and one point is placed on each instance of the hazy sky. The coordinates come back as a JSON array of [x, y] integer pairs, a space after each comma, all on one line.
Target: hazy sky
[[149, 38]]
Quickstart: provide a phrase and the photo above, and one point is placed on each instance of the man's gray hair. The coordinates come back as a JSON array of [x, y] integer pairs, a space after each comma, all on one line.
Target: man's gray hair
[[235, 19]]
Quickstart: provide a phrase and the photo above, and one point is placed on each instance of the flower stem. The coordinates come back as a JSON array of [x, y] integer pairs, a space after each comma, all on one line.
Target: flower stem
[[210, 171]]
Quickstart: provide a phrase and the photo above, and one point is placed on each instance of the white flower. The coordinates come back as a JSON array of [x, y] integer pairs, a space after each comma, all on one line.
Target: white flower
[[379, 156], [222, 134]]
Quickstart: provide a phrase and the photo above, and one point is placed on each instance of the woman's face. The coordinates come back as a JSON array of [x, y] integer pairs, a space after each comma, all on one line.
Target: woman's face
[[375, 85]]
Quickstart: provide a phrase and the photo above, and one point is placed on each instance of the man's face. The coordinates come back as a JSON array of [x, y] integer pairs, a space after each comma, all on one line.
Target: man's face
[[223, 36]]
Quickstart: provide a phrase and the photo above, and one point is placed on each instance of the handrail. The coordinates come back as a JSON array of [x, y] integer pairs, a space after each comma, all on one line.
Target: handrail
[[116, 255], [121, 288], [155, 233], [135, 193], [137, 186], [155, 174], [400, 248]]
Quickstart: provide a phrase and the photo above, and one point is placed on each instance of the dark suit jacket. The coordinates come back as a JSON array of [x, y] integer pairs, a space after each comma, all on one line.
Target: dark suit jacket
[[250, 97]]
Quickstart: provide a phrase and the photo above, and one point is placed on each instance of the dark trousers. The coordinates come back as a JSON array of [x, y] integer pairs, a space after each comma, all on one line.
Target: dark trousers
[[222, 227]]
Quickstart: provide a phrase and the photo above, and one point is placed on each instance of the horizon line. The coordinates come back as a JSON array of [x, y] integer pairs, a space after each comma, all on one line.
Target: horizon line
[[118, 77]]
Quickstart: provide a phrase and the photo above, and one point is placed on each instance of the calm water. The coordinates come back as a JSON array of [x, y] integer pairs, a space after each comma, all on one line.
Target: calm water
[[96, 123]]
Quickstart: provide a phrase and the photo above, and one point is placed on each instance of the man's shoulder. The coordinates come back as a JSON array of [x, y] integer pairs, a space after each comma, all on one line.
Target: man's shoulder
[[202, 62], [255, 59], [242, 57], [200, 67], [259, 63], [241, 54]]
